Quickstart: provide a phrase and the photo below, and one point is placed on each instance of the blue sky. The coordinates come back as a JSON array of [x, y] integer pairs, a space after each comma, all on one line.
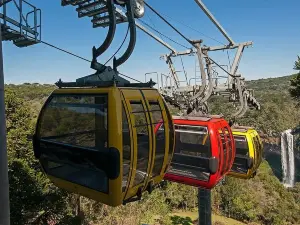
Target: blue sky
[[273, 26]]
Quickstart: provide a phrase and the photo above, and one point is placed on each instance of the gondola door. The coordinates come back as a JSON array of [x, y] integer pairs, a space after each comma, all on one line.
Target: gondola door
[[261, 149], [257, 146], [244, 155], [162, 139], [252, 152], [142, 141]]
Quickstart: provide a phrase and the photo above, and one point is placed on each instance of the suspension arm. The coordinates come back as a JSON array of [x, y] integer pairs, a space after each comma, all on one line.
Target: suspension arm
[[172, 69], [240, 93], [245, 107], [111, 32], [132, 41], [124, 16], [210, 80], [202, 69]]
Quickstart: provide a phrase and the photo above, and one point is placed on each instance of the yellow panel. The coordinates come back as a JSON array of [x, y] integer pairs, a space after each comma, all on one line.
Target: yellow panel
[[155, 96], [259, 150], [132, 147], [84, 191], [83, 90], [253, 152], [115, 140], [135, 95], [170, 124]]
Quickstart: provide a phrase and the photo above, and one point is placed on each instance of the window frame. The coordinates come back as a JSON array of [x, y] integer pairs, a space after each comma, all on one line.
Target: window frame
[[244, 140], [48, 102], [207, 175], [226, 157], [154, 123], [43, 139], [140, 101], [230, 149], [124, 113]]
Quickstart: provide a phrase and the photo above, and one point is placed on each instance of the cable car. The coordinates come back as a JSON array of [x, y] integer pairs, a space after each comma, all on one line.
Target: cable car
[[204, 151], [101, 142], [249, 151]]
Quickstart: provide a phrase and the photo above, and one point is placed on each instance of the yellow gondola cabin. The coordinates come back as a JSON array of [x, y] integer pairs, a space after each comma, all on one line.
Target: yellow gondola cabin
[[101, 142], [249, 150]]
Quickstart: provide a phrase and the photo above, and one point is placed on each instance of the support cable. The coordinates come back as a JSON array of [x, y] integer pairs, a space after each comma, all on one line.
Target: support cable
[[160, 33], [191, 28], [174, 28], [151, 21], [79, 57], [130, 77], [65, 51], [184, 71], [229, 61], [221, 67], [103, 66]]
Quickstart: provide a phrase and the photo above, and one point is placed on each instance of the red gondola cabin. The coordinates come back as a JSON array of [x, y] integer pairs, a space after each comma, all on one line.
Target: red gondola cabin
[[204, 151]]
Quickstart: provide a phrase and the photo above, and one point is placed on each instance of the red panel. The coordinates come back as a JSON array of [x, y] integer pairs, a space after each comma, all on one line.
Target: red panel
[[213, 126]]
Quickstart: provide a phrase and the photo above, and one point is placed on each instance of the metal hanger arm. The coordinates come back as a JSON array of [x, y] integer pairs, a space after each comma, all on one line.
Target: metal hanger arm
[[111, 32], [132, 41]]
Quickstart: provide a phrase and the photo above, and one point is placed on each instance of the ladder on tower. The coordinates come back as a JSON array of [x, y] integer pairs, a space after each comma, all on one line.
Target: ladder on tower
[[24, 29]]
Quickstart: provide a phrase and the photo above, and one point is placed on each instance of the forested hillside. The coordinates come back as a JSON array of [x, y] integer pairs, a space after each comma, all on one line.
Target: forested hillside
[[262, 200], [278, 110]]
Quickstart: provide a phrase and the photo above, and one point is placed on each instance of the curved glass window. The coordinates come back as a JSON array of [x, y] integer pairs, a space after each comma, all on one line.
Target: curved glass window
[[240, 164], [241, 145], [73, 136], [76, 120], [156, 112], [230, 156], [192, 150], [141, 127], [126, 150]]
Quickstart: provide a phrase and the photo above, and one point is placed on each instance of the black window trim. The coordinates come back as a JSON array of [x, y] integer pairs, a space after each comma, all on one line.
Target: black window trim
[[48, 102]]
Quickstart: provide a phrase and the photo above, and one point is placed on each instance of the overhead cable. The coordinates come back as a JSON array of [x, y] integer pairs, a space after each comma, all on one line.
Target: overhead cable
[[79, 57], [174, 28], [130, 77], [170, 39], [184, 71], [188, 26], [116, 51], [151, 21], [65, 51]]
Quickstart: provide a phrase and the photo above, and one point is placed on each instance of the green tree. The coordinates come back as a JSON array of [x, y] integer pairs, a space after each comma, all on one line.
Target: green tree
[[34, 200], [295, 82], [18, 125]]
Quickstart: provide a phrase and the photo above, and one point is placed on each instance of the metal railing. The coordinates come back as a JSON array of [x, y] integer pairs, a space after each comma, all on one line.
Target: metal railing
[[22, 24]]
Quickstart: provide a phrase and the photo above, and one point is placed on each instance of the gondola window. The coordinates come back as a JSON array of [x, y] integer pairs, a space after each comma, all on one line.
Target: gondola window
[[256, 146], [229, 148], [141, 127], [126, 150], [192, 145], [242, 153], [72, 120], [225, 151], [156, 112], [70, 128], [241, 145]]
